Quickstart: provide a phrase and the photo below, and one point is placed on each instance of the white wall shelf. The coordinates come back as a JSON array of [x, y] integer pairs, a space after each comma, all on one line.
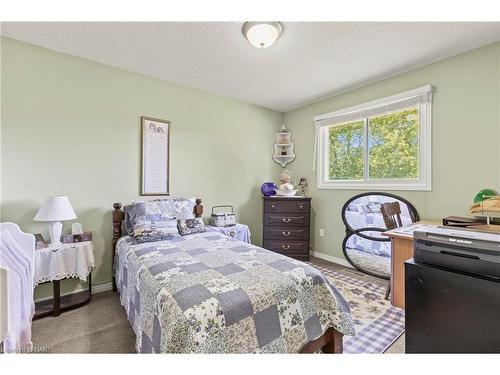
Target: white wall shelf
[[283, 148]]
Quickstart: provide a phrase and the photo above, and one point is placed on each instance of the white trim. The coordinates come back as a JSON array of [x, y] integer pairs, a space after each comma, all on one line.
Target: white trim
[[331, 258], [366, 135], [376, 103], [423, 183], [101, 288], [96, 289]]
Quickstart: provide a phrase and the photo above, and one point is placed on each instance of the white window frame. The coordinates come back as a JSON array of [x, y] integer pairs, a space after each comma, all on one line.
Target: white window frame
[[422, 183]]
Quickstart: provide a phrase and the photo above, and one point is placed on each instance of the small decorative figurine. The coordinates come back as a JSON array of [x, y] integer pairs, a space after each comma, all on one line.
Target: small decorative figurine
[[285, 176], [286, 187], [303, 185]]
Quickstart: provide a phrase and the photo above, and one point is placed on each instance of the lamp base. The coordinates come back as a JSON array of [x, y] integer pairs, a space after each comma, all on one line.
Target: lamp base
[[55, 231]]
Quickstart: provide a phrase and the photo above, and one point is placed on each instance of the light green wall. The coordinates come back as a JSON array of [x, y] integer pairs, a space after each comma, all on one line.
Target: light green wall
[[71, 126], [466, 139]]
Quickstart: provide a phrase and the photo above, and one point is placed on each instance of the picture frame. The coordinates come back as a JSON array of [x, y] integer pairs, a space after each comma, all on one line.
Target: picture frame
[[155, 156], [40, 242]]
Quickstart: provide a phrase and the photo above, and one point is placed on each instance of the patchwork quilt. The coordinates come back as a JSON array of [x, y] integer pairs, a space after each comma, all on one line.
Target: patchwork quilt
[[208, 293]]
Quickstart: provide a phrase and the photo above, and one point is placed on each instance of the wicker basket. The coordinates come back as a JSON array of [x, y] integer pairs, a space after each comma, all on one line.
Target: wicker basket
[[224, 218]]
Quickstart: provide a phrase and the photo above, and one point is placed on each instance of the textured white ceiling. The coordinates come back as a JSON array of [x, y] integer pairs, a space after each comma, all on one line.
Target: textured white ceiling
[[310, 61]]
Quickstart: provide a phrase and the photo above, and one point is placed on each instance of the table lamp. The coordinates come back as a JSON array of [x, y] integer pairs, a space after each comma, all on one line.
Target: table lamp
[[484, 194], [303, 185], [54, 210]]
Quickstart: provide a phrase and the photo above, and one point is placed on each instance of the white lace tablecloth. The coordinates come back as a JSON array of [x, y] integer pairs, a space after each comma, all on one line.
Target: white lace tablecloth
[[69, 260]]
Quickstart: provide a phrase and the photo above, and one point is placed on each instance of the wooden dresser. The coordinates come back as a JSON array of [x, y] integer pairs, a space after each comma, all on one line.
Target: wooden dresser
[[287, 225]]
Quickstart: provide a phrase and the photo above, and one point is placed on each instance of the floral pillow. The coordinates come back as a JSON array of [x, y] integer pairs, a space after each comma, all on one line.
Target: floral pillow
[[373, 207], [164, 209], [183, 207], [352, 207], [190, 226], [150, 231]]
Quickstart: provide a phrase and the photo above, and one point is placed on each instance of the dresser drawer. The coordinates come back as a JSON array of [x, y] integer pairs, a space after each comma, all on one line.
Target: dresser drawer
[[287, 220], [286, 206], [290, 248], [284, 233]]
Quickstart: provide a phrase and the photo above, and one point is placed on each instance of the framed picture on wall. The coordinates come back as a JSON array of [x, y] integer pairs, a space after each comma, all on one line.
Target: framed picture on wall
[[155, 151]]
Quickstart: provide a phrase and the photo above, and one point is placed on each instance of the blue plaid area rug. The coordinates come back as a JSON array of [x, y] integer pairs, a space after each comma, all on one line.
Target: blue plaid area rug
[[378, 324]]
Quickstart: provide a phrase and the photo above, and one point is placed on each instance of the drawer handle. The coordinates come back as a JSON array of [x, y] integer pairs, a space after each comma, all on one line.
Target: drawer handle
[[286, 234], [285, 247], [300, 205], [286, 219], [273, 205]]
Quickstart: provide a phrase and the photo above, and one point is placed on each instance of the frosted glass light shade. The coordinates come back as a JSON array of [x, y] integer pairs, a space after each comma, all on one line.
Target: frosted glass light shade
[[55, 208], [262, 34]]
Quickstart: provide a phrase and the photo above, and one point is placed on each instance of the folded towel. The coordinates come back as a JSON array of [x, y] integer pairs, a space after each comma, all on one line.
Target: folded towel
[[20, 297]]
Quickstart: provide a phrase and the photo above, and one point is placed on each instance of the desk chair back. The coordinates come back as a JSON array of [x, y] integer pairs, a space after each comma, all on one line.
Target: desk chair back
[[391, 212]]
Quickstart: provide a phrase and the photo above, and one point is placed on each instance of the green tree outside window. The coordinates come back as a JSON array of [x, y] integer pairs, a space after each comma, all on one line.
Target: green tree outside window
[[392, 148], [346, 151]]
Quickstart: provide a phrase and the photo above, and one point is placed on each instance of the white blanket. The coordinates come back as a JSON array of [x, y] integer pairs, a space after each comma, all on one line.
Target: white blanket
[[20, 297]]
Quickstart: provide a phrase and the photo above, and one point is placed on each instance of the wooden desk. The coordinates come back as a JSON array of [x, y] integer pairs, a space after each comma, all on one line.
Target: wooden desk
[[402, 250], [491, 228]]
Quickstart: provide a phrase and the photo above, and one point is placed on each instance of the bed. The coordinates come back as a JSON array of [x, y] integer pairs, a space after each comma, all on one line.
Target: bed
[[209, 293]]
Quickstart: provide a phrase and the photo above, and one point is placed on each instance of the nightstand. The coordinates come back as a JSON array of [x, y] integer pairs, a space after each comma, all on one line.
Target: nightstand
[[238, 231], [70, 260]]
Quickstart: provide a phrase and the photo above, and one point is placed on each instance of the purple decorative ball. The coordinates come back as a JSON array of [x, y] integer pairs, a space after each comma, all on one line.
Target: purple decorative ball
[[268, 189]]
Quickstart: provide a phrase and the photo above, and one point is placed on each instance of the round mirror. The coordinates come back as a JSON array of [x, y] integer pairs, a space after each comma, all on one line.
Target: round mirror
[[371, 255], [363, 211], [364, 246]]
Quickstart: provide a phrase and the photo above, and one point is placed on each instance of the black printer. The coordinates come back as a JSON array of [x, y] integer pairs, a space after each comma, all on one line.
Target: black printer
[[452, 292], [459, 249]]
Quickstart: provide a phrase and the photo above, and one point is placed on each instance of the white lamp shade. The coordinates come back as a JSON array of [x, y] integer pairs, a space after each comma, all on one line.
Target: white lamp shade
[[55, 208]]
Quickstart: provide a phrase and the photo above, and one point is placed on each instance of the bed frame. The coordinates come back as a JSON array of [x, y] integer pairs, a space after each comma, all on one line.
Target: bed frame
[[329, 342], [119, 216]]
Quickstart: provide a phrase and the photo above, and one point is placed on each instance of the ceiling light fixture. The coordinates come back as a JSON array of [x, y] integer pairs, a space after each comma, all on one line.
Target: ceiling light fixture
[[262, 34]]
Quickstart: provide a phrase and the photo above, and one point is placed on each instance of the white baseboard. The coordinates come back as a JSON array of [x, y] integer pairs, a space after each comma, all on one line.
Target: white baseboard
[[101, 288], [96, 289], [331, 258]]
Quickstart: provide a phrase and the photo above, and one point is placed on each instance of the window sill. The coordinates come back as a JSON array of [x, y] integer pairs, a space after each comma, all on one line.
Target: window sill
[[374, 186]]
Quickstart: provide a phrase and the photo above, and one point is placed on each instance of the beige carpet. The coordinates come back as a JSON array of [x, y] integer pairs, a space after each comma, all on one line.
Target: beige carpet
[[101, 326]]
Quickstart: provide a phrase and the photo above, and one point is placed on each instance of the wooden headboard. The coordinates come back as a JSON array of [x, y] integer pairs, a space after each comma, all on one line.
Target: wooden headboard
[[118, 217]]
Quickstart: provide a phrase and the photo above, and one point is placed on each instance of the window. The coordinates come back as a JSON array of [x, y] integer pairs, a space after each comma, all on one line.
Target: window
[[383, 144]]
